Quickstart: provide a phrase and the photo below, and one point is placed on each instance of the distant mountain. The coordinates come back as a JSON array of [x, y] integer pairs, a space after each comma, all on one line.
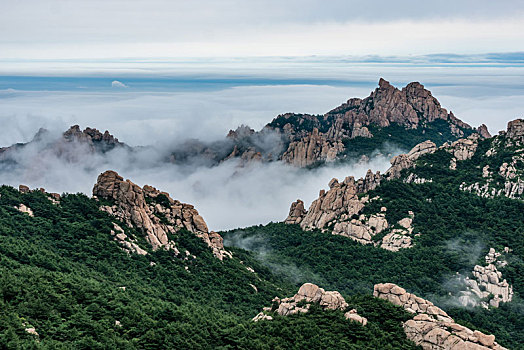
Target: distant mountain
[[387, 119]]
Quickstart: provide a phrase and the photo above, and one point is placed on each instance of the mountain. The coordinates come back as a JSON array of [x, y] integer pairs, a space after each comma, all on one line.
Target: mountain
[[72, 146], [445, 222], [387, 121], [428, 255], [132, 268]]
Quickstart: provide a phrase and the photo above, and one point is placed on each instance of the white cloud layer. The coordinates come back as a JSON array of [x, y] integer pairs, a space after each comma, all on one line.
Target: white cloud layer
[[160, 28]]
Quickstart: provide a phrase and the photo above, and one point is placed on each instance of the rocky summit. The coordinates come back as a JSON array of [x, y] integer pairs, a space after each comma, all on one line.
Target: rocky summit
[[155, 213], [388, 116]]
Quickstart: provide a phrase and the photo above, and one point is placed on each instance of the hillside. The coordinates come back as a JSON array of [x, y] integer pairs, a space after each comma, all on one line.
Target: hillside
[[443, 222], [98, 273]]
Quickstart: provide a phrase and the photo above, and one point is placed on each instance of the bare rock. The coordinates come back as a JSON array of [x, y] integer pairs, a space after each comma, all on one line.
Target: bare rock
[[483, 131], [308, 294], [431, 327], [154, 212], [25, 209]]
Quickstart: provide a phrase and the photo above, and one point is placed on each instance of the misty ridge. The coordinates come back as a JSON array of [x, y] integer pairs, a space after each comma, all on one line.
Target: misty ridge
[[228, 193]]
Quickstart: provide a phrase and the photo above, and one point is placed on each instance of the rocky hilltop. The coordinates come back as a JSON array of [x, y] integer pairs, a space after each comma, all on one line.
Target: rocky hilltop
[[339, 210], [307, 295], [71, 145], [154, 212]]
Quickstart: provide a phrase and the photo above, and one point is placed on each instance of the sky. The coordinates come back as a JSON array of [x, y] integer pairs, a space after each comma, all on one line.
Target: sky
[[159, 72], [72, 29]]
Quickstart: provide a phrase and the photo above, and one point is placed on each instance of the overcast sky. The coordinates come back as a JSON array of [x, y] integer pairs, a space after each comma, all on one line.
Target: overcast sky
[[64, 29]]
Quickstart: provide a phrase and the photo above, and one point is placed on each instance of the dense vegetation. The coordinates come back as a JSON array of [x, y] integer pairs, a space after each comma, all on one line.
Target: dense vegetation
[[61, 273], [398, 137], [456, 228]]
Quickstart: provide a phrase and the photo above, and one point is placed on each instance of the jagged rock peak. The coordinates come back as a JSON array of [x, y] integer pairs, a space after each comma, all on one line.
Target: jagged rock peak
[[240, 132], [515, 129], [483, 131], [154, 212], [74, 133], [432, 328]]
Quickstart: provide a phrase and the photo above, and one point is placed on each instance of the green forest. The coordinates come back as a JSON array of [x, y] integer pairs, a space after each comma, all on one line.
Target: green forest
[[62, 274]]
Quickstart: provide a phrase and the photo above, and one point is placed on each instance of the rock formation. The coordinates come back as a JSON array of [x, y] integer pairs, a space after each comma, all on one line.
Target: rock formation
[[487, 282], [406, 161], [71, 146], [511, 171], [431, 327], [155, 213], [305, 140], [128, 244], [25, 209], [301, 302]]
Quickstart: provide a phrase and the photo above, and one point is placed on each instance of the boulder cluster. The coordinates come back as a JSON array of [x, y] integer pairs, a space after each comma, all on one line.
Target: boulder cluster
[[431, 327], [487, 282], [301, 302], [153, 212], [510, 171]]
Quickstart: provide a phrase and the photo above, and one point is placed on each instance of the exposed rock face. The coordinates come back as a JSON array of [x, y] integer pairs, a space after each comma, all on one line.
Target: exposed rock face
[[340, 201], [464, 148], [296, 212], [92, 137], [311, 149], [128, 244], [515, 130], [154, 212], [308, 294], [483, 131], [25, 209], [406, 161], [487, 281], [432, 328], [511, 171]]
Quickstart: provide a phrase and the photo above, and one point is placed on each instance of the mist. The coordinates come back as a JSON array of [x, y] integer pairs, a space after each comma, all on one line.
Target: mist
[[262, 250], [228, 195]]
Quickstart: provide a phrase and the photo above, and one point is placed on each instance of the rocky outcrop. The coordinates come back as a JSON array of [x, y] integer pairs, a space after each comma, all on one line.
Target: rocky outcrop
[[155, 213], [339, 202], [25, 209], [431, 327], [463, 149], [71, 146], [96, 140], [128, 244], [482, 130], [296, 212], [301, 302], [406, 161], [487, 288], [515, 131], [311, 149], [511, 172]]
